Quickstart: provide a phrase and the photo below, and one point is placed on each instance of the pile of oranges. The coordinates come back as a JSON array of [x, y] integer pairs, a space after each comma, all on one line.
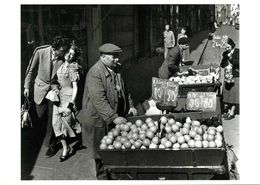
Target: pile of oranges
[[166, 133]]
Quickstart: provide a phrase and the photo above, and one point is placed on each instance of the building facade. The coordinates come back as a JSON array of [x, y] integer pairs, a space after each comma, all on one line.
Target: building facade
[[136, 28]]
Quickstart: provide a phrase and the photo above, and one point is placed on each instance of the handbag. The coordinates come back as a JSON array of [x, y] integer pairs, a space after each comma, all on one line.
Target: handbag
[[26, 120]]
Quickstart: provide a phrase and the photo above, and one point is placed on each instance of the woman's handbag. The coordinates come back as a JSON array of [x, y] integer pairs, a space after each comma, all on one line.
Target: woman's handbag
[[26, 120]]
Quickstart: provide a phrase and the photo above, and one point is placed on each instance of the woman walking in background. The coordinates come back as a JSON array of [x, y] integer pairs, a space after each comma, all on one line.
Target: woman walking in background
[[230, 63], [186, 52]]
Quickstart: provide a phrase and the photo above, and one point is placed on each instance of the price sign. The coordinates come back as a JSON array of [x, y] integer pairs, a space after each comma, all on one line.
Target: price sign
[[164, 91], [203, 72], [205, 101]]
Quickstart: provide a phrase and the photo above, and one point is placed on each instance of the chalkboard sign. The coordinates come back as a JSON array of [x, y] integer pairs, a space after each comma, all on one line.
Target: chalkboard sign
[[205, 101], [164, 91]]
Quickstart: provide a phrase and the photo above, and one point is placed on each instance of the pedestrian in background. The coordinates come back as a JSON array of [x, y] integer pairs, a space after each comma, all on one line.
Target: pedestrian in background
[[64, 123], [44, 64], [106, 101], [186, 52], [169, 40], [230, 63], [171, 65]]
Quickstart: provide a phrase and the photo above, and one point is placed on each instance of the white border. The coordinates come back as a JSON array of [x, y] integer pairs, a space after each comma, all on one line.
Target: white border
[[10, 91]]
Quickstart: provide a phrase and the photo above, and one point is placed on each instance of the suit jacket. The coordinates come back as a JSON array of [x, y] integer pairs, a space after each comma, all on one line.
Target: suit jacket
[[40, 66], [100, 99], [170, 66]]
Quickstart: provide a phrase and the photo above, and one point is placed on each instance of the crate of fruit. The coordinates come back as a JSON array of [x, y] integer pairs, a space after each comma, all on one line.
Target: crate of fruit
[[202, 78], [184, 143]]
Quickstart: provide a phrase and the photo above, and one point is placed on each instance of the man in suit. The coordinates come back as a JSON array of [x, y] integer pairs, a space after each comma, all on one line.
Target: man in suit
[[41, 70], [105, 101], [170, 66]]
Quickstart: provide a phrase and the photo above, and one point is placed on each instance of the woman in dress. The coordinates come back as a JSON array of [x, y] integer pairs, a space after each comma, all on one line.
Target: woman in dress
[[186, 53], [230, 63], [64, 123]]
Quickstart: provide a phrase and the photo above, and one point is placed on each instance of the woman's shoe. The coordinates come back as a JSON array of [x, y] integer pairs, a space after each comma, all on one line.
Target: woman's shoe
[[229, 117], [65, 157]]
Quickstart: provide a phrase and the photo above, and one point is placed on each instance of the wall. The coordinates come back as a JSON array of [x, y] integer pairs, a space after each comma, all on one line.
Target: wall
[[118, 28]]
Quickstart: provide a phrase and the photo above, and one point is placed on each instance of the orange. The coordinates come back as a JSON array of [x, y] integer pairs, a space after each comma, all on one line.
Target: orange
[[171, 121], [181, 139], [191, 143], [212, 144], [175, 128], [198, 144], [218, 143], [210, 137], [205, 144], [138, 123], [168, 144], [163, 120], [110, 147], [174, 139], [192, 133], [148, 120], [176, 146], [184, 145], [103, 146]]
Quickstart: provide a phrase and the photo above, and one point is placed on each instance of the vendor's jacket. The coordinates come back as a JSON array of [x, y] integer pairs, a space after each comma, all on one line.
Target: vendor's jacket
[[100, 99], [170, 66]]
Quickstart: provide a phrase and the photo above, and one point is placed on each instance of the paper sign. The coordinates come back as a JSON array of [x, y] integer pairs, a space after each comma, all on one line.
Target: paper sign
[[164, 91], [205, 101]]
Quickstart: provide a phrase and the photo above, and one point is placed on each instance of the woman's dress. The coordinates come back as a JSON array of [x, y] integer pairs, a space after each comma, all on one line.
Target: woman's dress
[[65, 125]]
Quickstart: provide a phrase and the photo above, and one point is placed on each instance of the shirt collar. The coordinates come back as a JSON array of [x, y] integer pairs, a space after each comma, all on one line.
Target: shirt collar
[[53, 57]]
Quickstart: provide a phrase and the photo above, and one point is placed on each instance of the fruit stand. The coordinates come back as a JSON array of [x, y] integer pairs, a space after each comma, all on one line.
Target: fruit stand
[[206, 79], [193, 162], [187, 143]]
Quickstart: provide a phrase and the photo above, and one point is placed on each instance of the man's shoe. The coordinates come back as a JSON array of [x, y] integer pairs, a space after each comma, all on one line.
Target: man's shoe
[[52, 150]]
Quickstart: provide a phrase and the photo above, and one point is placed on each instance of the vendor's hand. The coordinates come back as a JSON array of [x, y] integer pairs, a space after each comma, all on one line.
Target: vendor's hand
[[26, 93], [133, 111], [119, 120]]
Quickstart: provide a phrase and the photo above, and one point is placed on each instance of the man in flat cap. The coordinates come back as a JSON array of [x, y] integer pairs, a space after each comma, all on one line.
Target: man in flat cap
[[105, 101], [170, 66]]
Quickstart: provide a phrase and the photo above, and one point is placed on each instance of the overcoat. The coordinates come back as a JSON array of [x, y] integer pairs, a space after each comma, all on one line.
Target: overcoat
[[99, 105]]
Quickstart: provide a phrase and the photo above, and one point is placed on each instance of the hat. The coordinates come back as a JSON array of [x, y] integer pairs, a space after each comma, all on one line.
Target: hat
[[183, 40], [109, 49]]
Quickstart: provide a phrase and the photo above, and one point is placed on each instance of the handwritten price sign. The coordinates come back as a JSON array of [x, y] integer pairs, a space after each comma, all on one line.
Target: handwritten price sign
[[219, 41], [205, 101], [164, 91]]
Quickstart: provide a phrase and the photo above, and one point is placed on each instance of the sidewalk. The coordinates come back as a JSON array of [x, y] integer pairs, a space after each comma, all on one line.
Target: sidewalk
[[138, 78]]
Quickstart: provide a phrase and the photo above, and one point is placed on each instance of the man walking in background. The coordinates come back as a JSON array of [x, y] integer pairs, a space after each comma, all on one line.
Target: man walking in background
[[169, 40]]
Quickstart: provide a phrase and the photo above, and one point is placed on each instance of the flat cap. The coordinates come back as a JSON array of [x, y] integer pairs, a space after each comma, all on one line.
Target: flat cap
[[184, 40], [109, 48]]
